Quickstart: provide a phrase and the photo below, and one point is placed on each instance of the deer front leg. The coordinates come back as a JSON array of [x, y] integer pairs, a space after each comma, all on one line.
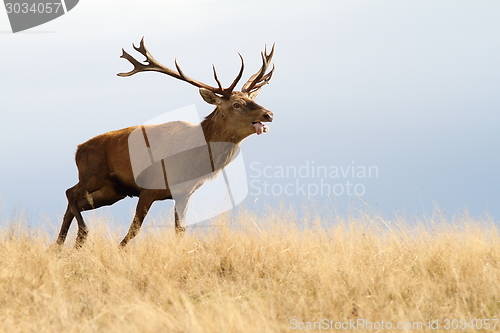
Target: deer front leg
[[145, 202], [180, 214]]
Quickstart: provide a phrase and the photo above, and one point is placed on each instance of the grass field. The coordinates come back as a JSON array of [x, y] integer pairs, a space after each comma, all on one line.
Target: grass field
[[259, 275]]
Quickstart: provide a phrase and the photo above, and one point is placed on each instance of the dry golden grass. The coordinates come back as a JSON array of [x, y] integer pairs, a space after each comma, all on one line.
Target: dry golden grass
[[266, 275]]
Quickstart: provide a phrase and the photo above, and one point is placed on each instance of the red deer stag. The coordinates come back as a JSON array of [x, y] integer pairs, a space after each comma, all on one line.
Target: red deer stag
[[106, 171]]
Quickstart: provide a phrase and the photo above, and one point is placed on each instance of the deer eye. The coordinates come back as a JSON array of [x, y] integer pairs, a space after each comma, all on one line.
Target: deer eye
[[236, 105]]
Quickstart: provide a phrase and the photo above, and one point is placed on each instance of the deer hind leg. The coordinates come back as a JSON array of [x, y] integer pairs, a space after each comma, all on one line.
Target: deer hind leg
[[78, 202], [146, 199], [68, 218], [105, 196], [71, 212], [73, 194]]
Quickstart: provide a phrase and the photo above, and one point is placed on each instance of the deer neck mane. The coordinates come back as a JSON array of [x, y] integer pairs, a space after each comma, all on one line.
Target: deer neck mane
[[217, 128]]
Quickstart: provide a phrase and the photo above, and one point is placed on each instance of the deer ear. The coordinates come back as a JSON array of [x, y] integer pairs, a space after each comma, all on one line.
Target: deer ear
[[253, 94], [209, 96]]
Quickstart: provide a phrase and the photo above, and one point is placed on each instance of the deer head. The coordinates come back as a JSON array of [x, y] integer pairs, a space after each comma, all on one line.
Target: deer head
[[236, 115]]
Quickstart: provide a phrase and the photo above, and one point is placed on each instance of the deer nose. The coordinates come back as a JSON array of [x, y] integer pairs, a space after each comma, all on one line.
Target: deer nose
[[269, 116]]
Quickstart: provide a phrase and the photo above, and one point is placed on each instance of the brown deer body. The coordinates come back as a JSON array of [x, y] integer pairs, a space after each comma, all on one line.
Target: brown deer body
[[105, 170]]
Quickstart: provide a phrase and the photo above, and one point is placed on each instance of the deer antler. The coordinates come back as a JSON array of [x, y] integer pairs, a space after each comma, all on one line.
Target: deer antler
[[260, 78], [153, 65]]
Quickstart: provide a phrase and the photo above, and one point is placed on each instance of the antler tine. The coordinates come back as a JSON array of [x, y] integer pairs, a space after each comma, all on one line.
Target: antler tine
[[217, 79], [196, 83], [152, 63], [238, 77], [264, 80], [260, 78], [137, 65]]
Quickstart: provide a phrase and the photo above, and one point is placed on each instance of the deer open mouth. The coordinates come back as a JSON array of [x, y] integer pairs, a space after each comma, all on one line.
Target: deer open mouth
[[260, 127]]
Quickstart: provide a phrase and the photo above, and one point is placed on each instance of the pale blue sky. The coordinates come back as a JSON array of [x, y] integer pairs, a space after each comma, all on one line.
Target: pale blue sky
[[411, 87]]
